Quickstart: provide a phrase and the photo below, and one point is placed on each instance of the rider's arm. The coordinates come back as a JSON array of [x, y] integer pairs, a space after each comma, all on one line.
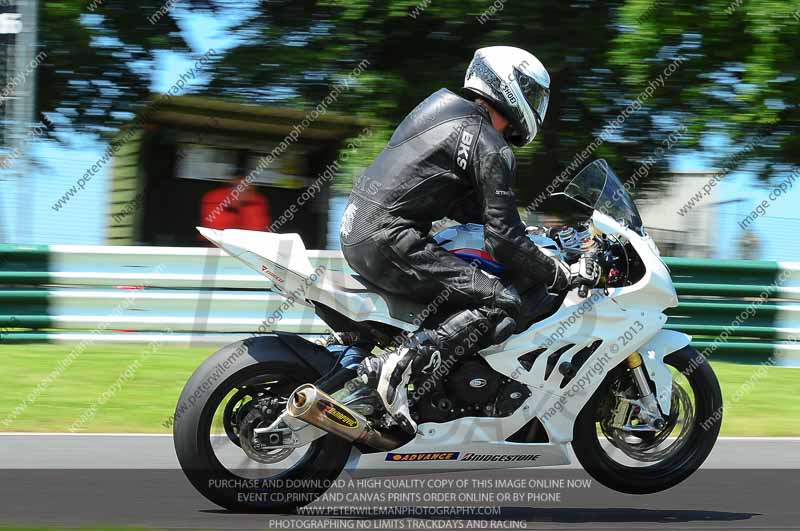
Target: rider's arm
[[466, 210], [505, 236]]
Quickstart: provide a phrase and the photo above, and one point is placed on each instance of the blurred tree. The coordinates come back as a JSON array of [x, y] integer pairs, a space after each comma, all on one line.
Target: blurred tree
[[737, 74], [415, 48], [740, 79], [100, 56]]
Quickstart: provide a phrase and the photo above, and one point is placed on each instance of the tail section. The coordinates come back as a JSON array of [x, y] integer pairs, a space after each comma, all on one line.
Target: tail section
[[280, 257]]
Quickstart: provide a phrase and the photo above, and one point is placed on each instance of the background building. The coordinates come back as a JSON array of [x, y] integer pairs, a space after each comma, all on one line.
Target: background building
[[179, 151]]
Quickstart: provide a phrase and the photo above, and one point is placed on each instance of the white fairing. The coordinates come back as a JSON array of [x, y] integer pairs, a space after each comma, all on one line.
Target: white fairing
[[283, 259], [624, 321], [653, 353]]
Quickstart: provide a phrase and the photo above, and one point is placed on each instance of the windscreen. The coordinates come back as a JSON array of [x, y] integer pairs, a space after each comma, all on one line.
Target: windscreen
[[599, 188]]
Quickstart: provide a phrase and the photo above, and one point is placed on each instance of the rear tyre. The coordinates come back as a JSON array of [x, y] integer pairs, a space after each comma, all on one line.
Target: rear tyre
[[692, 444], [245, 487]]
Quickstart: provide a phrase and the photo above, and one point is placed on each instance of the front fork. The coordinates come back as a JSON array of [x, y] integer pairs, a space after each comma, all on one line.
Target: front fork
[[645, 407]]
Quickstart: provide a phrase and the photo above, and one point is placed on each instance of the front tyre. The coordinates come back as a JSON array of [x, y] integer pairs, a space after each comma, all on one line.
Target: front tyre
[[218, 410], [647, 462]]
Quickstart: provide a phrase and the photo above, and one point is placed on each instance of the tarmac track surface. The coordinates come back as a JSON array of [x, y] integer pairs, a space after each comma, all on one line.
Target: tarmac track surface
[[124, 480]]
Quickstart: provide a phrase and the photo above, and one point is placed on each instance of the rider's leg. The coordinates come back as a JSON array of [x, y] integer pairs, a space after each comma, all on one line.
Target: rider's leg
[[434, 353], [422, 270]]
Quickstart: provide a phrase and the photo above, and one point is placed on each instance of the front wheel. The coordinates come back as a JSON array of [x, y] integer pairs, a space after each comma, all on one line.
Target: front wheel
[[643, 462]]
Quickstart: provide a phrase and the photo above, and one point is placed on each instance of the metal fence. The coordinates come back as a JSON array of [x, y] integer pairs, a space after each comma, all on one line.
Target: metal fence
[[743, 309]]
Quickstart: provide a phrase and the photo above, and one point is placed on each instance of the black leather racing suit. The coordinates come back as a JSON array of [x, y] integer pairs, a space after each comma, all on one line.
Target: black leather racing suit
[[444, 159]]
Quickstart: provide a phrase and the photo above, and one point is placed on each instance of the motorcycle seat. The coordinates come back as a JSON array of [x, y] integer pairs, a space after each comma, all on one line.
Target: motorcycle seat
[[400, 308]]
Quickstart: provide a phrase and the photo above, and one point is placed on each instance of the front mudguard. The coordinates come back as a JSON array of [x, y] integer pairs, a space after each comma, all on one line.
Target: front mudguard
[[653, 353]]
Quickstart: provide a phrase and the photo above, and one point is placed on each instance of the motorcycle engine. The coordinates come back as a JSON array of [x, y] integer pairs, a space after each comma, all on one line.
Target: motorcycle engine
[[471, 389]]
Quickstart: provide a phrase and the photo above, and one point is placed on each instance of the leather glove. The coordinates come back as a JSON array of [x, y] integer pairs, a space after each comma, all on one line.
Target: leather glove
[[585, 272]]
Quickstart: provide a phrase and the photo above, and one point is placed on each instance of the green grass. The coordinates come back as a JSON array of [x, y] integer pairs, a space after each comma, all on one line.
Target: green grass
[[771, 406], [142, 403], [759, 399]]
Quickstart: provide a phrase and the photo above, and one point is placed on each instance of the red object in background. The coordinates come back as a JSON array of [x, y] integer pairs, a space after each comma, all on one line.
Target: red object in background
[[220, 209]]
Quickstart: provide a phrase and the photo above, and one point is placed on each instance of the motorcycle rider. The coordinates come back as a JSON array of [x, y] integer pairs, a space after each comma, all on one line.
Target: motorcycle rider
[[450, 157]]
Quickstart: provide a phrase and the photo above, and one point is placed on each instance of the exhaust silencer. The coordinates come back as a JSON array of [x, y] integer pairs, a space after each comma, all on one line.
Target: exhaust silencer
[[319, 409]]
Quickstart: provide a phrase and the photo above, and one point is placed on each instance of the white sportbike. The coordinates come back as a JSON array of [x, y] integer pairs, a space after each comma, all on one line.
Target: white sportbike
[[267, 423]]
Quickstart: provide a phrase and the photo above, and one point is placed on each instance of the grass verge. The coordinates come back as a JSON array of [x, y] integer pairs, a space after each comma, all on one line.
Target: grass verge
[[134, 388]]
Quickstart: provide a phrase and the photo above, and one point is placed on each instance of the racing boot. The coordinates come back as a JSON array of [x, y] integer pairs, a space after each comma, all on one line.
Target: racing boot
[[431, 353], [390, 373]]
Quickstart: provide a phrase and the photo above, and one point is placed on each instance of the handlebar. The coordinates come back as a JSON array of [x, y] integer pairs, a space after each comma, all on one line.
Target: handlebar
[[583, 289]]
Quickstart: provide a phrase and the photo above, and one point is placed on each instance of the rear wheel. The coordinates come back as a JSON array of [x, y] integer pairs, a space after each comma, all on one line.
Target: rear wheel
[[213, 444], [643, 462]]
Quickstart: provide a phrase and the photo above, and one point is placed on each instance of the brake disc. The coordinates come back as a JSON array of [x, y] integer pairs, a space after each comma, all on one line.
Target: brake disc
[[643, 446]]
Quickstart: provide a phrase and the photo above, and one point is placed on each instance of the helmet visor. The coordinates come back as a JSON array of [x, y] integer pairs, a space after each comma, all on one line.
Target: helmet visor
[[535, 94]]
